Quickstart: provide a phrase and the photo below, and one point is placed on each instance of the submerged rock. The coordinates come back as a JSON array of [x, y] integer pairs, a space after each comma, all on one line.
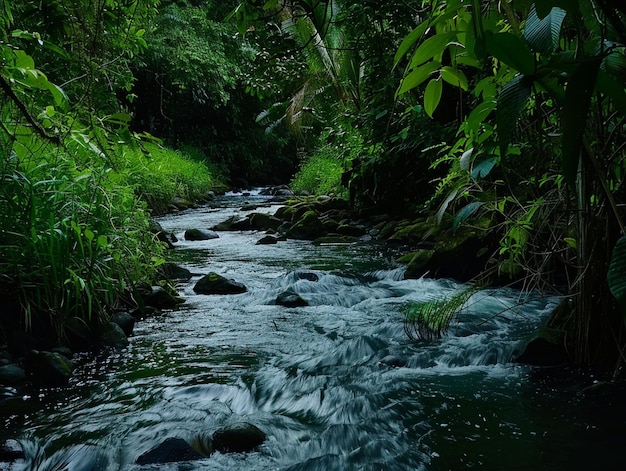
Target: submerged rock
[[267, 240], [200, 234], [170, 451], [11, 451], [212, 283], [290, 299], [238, 438]]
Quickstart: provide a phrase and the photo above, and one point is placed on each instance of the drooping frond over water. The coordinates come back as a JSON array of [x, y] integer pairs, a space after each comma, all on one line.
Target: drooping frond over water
[[431, 320]]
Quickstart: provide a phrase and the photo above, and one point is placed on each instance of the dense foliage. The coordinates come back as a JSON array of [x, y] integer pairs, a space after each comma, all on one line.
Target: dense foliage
[[535, 93], [76, 187]]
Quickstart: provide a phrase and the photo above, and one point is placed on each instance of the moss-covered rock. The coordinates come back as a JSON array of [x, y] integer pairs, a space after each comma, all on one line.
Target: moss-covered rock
[[307, 227], [417, 266], [263, 221], [50, 369]]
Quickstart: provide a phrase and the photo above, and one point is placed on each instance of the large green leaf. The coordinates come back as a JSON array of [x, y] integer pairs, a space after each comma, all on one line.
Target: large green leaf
[[512, 50], [575, 107], [511, 101], [454, 76], [543, 34], [617, 273], [432, 96], [417, 77], [432, 48]]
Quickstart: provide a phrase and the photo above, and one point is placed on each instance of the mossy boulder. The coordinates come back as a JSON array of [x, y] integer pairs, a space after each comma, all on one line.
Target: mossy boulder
[[412, 232], [417, 263], [351, 230], [307, 227], [285, 213], [263, 221], [50, 369], [212, 283]]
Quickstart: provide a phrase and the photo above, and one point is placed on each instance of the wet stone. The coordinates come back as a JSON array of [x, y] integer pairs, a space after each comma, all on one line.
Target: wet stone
[[170, 451], [238, 438]]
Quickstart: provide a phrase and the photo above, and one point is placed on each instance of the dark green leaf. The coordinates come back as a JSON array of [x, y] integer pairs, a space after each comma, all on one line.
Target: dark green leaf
[[465, 213], [408, 42], [543, 34], [575, 107], [432, 96], [432, 48], [417, 77], [478, 114], [511, 102], [617, 273], [454, 77], [482, 169], [512, 50]]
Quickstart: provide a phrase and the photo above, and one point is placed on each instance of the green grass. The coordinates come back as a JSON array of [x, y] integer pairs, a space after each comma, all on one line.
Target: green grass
[[74, 228], [321, 175], [159, 174]]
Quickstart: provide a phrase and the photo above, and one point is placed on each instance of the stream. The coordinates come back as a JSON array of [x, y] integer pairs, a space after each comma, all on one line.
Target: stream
[[336, 385]]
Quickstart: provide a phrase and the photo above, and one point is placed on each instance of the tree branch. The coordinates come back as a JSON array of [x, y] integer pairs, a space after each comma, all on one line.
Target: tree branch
[[6, 87]]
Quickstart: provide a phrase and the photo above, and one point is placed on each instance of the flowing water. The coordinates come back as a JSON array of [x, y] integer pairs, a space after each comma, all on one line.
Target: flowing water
[[336, 385]]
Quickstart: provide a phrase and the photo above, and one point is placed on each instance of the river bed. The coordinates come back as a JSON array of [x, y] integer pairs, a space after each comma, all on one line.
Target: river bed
[[336, 385]]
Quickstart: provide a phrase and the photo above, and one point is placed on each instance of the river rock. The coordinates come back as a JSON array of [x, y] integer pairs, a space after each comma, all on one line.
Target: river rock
[[50, 369], [545, 348], [306, 275], [267, 240], [351, 230], [160, 298], [228, 224], [170, 451], [307, 227], [112, 335], [11, 374], [172, 271], [11, 451], [290, 299], [162, 235], [238, 438], [264, 221], [200, 234], [125, 321], [212, 283]]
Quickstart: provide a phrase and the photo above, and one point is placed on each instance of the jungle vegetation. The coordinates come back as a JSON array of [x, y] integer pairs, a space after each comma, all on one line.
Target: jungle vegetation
[[509, 111]]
